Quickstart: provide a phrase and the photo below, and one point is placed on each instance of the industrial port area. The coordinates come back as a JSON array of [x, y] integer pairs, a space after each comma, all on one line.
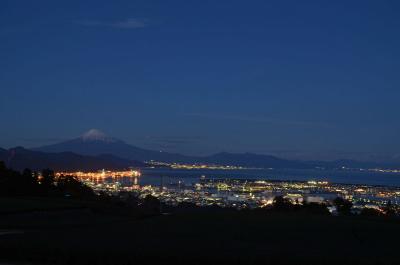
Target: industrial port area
[[239, 193]]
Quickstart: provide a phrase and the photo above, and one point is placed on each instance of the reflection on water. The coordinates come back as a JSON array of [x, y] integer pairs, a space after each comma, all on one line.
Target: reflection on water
[[189, 177]]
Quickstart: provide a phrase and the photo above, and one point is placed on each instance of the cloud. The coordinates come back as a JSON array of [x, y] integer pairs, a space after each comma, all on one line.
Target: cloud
[[260, 120], [130, 23]]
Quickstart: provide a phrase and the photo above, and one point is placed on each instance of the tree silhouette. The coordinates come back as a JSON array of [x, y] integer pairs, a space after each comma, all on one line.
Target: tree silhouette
[[2, 168], [71, 186], [343, 206], [389, 209], [47, 179], [28, 183], [151, 203], [370, 212], [281, 203], [315, 208]]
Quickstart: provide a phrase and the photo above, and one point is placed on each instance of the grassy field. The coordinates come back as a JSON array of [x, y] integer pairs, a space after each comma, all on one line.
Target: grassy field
[[196, 238]]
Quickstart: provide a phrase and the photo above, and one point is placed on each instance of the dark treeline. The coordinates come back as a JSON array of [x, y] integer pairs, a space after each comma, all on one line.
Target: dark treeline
[[106, 225], [343, 207], [281, 204], [46, 184], [29, 183]]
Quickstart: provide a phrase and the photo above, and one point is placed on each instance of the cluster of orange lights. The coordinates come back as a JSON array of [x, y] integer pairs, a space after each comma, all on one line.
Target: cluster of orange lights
[[101, 174]]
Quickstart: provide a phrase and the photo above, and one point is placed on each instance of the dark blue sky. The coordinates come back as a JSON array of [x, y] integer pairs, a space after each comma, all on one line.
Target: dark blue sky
[[301, 79]]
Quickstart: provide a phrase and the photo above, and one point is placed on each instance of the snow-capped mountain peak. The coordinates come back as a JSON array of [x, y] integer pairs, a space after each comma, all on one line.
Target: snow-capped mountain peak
[[96, 135]]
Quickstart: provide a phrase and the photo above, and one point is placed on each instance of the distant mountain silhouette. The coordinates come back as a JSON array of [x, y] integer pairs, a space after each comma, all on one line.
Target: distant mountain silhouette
[[253, 160], [20, 158], [95, 142]]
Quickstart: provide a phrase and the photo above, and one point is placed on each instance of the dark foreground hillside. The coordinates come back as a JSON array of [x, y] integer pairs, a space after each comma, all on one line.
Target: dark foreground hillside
[[79, 235]]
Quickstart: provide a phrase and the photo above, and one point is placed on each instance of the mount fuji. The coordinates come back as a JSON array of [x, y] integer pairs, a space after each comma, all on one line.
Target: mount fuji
[[95, 142]]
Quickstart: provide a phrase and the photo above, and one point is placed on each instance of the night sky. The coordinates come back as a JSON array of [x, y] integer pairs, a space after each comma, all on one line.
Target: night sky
[[298, 79]]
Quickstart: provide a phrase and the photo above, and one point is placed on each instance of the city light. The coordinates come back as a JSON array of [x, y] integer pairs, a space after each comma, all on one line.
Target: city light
[[238, 193]]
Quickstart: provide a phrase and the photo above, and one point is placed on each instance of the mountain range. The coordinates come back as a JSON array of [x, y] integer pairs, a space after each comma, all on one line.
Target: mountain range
[[95, 150], [95, 143], [19, 158]]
